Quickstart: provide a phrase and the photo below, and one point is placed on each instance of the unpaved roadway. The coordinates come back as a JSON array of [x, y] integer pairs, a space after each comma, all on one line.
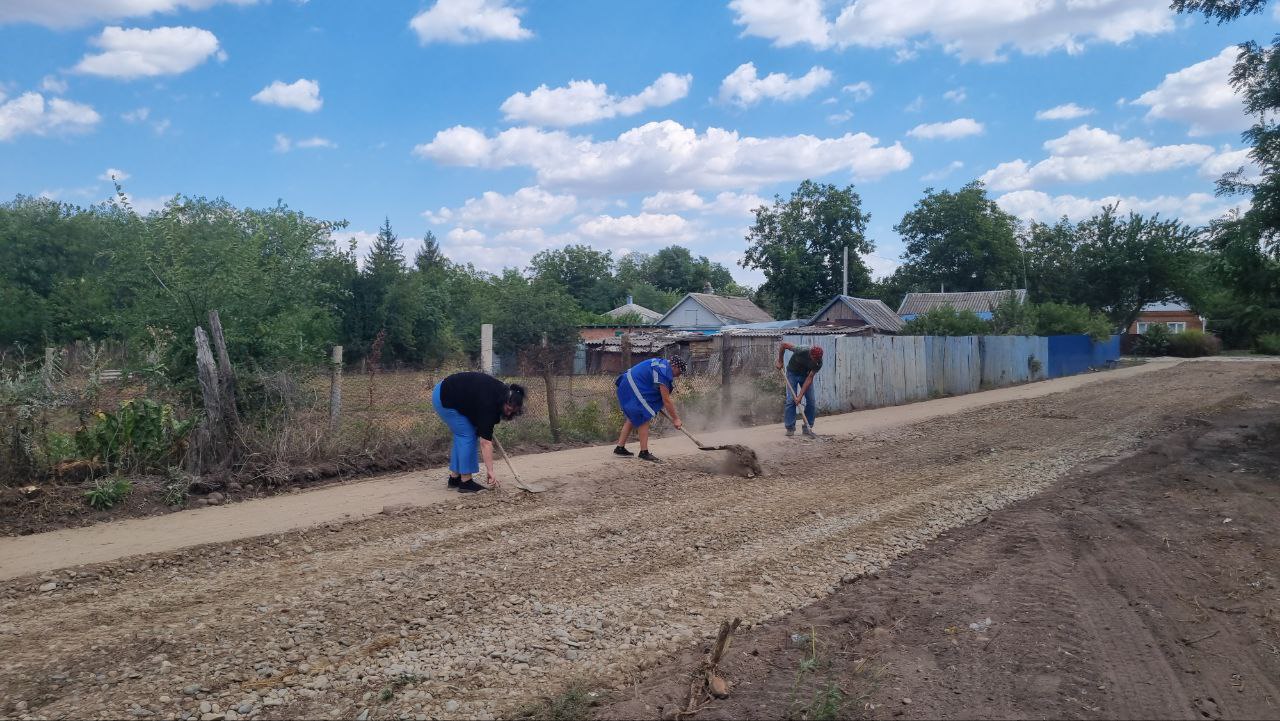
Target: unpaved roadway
[[470, 608]]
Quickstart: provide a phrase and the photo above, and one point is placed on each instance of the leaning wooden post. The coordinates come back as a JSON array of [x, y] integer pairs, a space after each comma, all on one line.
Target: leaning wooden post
[[211, 437], [226, 376], [48, 371], [335, 388]]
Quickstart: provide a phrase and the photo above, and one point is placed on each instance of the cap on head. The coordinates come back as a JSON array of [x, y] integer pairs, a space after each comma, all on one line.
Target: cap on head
[[815, 353], [678, 364]]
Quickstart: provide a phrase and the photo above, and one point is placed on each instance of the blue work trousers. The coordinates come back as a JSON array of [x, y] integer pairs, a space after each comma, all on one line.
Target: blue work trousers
[[810, 406]]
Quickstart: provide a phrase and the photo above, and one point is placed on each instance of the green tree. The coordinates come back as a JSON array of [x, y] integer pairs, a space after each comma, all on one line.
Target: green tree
[[799, 244], [1051, 265], [1246, 247], [586, 273], [1127, 262], [429, 258], [959, 241], [538, 321]]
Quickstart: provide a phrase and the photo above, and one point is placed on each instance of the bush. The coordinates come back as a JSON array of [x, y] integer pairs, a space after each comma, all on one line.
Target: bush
[[1067, 319], [1193, 344], [1154, 342], [107, 492], [1269, 343], [945, 320], [142, 435]]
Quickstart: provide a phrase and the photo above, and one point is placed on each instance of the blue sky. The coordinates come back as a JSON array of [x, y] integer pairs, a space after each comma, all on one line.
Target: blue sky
[[505, 127]]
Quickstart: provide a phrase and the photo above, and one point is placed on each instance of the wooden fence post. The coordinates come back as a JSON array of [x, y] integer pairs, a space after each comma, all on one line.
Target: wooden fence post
[[50, 353], [226, 376], [726, 375], [335, 388], [210, 440], [486, 348]]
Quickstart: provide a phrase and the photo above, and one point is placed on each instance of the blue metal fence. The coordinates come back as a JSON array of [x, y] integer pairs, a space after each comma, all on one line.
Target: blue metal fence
[[1072, 354]]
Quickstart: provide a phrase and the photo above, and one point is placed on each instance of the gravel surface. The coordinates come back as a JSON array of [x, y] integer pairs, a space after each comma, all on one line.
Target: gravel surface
[[467, 610]]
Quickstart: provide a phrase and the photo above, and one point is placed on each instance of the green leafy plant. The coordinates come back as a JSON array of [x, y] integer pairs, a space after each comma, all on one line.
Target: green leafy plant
[[1034, 365], [1269, 343], [945, 320], [1193, 344], [1155, 342], [141, 435], [107, 492], [572, 704]]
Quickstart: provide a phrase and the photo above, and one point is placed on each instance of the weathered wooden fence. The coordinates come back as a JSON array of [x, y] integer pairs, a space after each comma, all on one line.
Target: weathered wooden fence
[[865, 372]]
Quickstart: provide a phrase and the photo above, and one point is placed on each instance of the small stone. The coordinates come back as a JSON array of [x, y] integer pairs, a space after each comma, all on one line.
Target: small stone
[[215, 498], [451, 706], [231, 716], [906, 702], [46, 587], [364, 715], [397, 509], [191, 690], [245, 708], [165, 699], [206, 707]]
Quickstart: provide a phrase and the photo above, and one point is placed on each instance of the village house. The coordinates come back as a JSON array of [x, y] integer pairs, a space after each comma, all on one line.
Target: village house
[[982, 302], [1175, 316]]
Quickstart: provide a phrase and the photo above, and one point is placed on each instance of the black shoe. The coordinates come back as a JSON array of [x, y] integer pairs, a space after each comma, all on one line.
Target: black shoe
[[455, 481], [808, 432], [471, 487], [647, 456], [621, 451], [791, 432]]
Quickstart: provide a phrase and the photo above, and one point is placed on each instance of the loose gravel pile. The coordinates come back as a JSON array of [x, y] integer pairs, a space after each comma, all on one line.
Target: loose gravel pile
[[469, 610]]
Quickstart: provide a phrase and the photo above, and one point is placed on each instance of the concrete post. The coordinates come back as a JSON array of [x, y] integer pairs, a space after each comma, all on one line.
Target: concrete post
[[335, 388], [486, 348]]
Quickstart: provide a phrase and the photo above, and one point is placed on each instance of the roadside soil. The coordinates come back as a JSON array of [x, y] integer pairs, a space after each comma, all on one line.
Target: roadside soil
[[473, 608], [1146, 589]]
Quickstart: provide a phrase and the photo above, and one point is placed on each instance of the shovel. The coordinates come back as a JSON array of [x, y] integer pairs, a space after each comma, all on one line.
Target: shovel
[[742, 457], [529, 487], [791, 393]]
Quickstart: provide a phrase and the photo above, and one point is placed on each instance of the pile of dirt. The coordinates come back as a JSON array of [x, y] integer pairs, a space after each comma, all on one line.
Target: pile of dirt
[[1146, 589]]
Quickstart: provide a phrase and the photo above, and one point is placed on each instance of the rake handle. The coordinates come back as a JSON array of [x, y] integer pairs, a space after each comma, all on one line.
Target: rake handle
[[792, 394], [506, 458]]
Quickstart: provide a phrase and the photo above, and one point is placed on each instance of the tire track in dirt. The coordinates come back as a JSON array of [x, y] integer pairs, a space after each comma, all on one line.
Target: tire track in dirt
[[489, 601]]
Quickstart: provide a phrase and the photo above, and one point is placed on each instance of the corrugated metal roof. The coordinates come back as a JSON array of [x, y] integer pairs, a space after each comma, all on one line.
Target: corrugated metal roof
[[978, 301], [873, 312], [729, 309], [645, 342], [1172, 306], [802, 330], [634, 309]]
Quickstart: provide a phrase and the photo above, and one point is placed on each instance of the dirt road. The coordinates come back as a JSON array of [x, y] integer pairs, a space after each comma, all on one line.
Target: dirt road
[[467, 610], [21, 555]]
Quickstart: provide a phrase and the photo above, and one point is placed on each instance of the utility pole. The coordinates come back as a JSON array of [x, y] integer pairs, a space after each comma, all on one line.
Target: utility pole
[[846, 270]]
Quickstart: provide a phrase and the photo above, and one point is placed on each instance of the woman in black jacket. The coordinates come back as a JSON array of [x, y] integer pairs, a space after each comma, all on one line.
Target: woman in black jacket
[[471, 404]]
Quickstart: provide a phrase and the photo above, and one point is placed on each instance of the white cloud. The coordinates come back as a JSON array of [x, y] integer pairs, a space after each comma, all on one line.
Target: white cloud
[[665, 156], [584, 101], [943, 172], [970, 29], [526, 207], [161, 126], [469, 21], [1086, 154], [668, 200], [950, 130], [53, 84], [785, 22], [1195, 208], [915, 106], [31, 114], [136, 116], [725, 203], [302, 94], [1199, 95], [137, 53], [860, 90], [1229, 161], [285, 144], [1070, 111], [743, 88], [841, 117], [70, 13], [956, 96], [115, 174], [628, 232], [509, 249], [363, 241]]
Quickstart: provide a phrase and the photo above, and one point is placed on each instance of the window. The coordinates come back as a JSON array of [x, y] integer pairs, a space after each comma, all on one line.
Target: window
[[1176, 327], [1143, 326]]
